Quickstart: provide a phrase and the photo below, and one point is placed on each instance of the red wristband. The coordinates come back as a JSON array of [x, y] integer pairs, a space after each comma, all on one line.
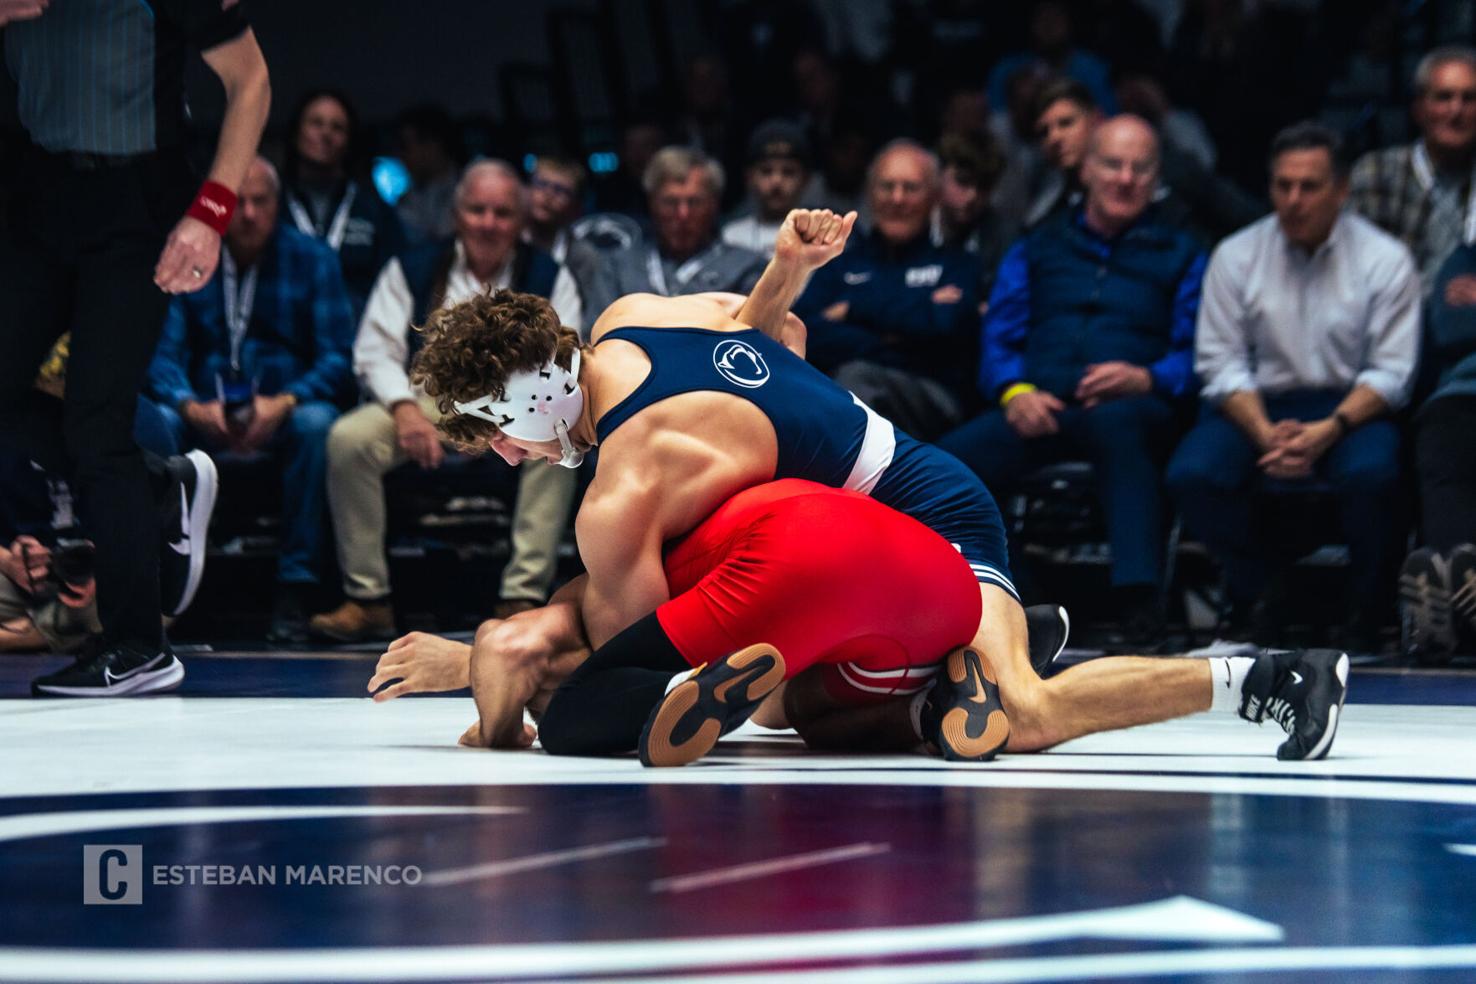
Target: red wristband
[[213, 205]]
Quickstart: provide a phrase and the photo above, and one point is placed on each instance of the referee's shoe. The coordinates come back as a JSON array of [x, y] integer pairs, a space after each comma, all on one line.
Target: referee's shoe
[[114, 671]]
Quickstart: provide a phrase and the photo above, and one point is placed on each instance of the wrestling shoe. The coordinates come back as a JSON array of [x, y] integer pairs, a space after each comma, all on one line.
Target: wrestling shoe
[[1426, 622], [1463, 593], [113, 671], [962, 716], [186, 518], [712, 701], [1303, 691], [1047, 629]]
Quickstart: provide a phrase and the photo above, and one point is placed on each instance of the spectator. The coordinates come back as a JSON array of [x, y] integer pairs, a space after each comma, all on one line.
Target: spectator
[[257, 361], [1306, 344], [326, 199], [683, 187], [398, 425], [778, 172], [966, 219], [1065, 116], [555, 194], [892, 318], [1438, 583], [706, 118], [1423, 193], [623, 191], [1052, 48], [428, 145], [1087, 347]]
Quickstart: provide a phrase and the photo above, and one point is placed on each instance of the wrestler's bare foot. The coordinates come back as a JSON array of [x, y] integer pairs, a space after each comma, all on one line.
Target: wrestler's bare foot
[[473, 738], [712, 701], [421, 663]]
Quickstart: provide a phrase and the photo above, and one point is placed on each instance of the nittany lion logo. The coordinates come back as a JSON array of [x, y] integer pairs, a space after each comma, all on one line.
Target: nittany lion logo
[[740, 364]]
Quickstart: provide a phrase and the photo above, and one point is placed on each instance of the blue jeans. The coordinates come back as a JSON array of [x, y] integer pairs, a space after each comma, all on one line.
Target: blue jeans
[[1127, 442], [1213, 475], [301, 447]]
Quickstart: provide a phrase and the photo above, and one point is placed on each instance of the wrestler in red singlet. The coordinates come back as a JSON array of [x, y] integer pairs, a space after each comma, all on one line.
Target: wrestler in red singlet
[[828, 577]]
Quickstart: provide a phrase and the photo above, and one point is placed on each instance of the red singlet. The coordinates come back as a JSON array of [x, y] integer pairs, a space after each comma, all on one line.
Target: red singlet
[[826, 576]]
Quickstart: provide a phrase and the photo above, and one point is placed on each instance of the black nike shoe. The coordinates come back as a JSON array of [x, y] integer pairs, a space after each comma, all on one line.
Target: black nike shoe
[[962, 716], [711, 702], [1303, 691], [1426, 623], [1048, 629], [186, 518], [114, 671]]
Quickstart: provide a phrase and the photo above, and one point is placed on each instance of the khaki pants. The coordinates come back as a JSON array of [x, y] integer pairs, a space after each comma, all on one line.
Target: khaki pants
[[362, 448], [64, 628]]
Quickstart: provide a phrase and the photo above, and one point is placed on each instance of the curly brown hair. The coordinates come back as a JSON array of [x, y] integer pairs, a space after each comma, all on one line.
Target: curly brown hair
[[472, 348]]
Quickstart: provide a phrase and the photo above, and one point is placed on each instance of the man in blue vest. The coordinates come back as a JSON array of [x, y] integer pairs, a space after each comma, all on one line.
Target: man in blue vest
[[893, 318], [398, 425], [1088, 349]]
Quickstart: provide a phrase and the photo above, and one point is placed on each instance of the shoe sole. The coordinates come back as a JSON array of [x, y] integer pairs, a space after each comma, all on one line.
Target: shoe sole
[[158, 681], [207, 486], [728, 691], [1334, 713], [1426, 618], [978, 729]]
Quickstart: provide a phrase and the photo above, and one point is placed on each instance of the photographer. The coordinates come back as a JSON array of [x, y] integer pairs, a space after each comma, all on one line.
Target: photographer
[[47, 593]]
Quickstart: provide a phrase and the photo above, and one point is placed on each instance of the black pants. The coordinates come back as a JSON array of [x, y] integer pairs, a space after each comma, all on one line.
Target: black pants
[[1445, 454], [78, 255], [602, 707]]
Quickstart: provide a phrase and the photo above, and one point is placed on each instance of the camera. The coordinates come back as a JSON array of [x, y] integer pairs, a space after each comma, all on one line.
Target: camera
[[73, 562]]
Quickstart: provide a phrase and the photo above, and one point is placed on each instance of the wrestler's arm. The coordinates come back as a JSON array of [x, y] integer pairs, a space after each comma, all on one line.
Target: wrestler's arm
[[808, 239], [620, 532]]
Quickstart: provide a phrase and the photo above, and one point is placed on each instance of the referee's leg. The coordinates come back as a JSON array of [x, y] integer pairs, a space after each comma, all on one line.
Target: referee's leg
[[119, 317], [36, 279]]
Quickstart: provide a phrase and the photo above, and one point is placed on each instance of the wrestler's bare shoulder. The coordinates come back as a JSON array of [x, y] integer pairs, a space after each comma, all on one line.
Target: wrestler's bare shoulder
[[655, 311]]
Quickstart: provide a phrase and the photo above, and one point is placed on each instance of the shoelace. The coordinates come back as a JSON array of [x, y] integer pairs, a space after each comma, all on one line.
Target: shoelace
[[1277, 708]]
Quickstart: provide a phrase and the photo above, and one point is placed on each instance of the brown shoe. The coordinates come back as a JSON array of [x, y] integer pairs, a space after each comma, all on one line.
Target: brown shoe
[[355, 621], [508, 607]]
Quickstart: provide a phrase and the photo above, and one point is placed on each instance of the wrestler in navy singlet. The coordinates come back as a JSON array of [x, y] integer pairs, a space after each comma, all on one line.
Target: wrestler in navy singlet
[[824, 433]]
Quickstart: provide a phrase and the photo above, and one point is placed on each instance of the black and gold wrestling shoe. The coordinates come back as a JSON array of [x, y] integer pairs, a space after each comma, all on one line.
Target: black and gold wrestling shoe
[[711, 702], [962, 717]]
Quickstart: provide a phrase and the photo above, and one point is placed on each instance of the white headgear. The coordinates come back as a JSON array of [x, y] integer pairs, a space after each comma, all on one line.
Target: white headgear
[[538, 405]]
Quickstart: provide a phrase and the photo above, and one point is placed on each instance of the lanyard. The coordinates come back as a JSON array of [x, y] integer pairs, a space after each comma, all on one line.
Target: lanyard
[[684, 273], [1425, 173], [336, 228], [238, 304]]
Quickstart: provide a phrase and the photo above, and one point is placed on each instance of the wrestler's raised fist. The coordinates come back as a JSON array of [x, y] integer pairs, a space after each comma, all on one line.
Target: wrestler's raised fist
[[812, 237]]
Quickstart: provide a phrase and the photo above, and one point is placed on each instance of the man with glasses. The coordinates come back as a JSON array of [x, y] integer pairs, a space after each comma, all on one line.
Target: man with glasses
[[555, 200], [683, 188], [1088, 348]]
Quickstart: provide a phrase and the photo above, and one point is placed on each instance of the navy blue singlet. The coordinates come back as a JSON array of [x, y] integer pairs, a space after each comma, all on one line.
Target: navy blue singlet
[[824, 434]]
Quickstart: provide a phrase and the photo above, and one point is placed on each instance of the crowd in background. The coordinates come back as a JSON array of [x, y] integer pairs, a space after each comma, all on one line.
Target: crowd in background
[[1210, 261]]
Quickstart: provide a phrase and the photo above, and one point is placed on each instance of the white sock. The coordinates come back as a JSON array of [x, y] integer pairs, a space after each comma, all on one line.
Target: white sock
[[679, 678], [914, 711], [1227, 678]]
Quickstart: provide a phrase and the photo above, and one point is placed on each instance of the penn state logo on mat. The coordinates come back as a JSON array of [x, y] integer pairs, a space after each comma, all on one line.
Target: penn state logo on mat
[[740, 363]]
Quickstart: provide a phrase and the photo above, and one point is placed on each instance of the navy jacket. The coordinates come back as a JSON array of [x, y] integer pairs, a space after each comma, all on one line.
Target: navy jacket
[[892, 318], [1065, 298]]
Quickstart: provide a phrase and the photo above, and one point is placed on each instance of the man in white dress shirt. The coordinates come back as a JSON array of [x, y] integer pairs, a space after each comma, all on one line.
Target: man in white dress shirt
[[1306, 344], [398, 425]]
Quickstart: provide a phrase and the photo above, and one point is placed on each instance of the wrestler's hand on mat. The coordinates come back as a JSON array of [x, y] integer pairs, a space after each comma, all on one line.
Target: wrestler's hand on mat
[[417, 436], [812, 237], [189, 257], [520, 738], [423, 664], [1033, 414]]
